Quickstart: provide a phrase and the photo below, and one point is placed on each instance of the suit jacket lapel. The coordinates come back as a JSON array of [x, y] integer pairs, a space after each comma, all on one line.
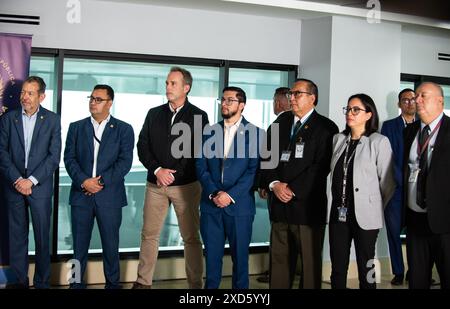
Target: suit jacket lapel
[[110, 126], [440, 139], [89, 131], [19, 126], [40, 118]]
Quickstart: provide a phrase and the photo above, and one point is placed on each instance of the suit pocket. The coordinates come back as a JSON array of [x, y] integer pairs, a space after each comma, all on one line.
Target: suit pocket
[[375, 199]]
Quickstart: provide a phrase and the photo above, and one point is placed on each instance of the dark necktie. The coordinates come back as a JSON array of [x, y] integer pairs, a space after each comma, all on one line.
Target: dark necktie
[[294, 132], [423, 166]]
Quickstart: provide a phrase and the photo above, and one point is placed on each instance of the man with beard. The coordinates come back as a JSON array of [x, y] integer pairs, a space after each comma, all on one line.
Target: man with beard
[[227, 172], [393, 130]]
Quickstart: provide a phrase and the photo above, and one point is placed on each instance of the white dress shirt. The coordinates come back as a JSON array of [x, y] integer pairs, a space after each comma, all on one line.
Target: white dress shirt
[[98, 131]]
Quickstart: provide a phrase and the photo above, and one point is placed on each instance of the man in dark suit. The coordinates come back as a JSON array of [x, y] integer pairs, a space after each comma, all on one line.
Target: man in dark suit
[[227, 175], [393, 130], [171, 178], [426, 195], [30, 150], [98, 155], [298, 185]]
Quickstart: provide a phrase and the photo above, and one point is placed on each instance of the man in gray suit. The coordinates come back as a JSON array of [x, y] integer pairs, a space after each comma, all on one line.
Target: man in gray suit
[[30, 149]]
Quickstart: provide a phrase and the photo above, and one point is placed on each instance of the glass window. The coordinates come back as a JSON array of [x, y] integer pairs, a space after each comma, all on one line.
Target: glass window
[[138, 87], [259, 86]]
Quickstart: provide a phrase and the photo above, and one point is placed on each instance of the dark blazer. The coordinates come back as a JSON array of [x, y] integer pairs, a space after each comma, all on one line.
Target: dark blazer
[[238, 173], [44, 156], [115, 157], [437, 190], [307, 176], [393, 130], [155, 141]]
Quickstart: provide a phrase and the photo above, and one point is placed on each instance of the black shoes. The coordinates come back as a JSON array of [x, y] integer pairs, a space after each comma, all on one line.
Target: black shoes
[[264, 278], [397, 280]]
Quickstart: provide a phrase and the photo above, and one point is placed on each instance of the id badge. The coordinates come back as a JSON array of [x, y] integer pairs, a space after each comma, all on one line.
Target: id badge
[[342, 214], [285, 155], [413, 175], [299, 150]]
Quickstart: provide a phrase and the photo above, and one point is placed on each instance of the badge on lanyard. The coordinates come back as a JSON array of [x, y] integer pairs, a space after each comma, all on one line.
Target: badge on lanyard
[[414, 173], [299, 150], [285, 155], [342, 214]]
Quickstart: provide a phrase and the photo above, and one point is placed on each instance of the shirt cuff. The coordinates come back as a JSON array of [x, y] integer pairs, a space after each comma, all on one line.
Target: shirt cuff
[[33, 180], [272, 184], [157, 170], [231, 198]]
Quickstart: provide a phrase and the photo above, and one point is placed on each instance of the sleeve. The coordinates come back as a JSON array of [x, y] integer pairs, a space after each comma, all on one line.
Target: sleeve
[[385, 170]]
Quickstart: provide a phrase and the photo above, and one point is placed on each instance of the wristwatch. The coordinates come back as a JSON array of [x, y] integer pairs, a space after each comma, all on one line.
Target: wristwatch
[[101, 182]]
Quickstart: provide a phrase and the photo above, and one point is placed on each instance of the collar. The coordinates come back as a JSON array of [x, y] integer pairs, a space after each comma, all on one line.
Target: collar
[[173, 110], [94, 122], [304, 118], [433, 124], [237, 124], [25, 114]]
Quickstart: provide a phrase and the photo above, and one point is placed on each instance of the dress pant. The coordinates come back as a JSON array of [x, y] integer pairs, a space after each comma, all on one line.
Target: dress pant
[[341, 236], [393, 219], [186, 201], [215, 229], [287, 241], [18, 239], [425, 248], [109, 220]]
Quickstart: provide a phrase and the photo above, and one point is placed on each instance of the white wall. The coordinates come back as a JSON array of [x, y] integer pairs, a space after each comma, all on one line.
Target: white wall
[[315, 57], [420, 48], [149, 29]]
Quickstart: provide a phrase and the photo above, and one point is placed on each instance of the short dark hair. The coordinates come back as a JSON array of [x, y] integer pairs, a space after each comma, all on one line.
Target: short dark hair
[[369, 105], [240, 94], [109, 90], [39, 81], [187, 76], [403, 91], [282, 91], [312, 88]]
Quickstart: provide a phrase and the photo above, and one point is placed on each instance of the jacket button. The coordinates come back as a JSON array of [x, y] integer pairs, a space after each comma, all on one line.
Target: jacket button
[[356, 189]]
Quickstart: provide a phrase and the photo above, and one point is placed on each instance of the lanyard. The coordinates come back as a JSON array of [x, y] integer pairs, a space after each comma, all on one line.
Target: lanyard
[[427, 141], [345, 169]]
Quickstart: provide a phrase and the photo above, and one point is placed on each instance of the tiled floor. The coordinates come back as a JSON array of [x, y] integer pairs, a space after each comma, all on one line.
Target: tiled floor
[[254, 284]]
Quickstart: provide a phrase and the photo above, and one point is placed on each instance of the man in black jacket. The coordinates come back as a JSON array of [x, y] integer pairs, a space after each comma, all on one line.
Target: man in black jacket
[[426, 197], [171, 178], [298, 197]]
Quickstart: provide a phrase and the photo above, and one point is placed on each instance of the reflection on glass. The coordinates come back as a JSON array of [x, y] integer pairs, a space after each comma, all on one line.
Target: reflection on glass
[[138, 87]]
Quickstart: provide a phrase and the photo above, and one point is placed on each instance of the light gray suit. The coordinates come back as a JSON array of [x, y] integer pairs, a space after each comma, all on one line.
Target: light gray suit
[[373, 177]]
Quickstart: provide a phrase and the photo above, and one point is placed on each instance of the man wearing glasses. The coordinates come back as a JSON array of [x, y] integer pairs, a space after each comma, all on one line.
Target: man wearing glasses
[[393, 130], [297, 186], [227, 175], [30, 150], [98, 155]]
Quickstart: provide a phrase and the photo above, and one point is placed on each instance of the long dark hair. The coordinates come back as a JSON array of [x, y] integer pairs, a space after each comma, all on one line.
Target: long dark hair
[[369, 105]]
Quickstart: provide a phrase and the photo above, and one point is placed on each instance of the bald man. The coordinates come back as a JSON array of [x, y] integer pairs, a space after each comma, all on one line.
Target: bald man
[[426, 194]]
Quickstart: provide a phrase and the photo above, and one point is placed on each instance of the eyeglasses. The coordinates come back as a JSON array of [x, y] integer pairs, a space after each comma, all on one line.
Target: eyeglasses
[[227, 101], [408, 101], [97, 100], [296, 94], [354, 110]]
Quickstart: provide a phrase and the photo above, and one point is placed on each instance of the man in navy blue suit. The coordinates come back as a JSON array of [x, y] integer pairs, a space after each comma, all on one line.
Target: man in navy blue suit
[[30, 150], [393, 129], [98, 155], [227, 172]]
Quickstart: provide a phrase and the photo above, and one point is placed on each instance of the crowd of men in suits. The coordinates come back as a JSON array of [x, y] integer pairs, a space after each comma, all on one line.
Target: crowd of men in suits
[[212, 187]]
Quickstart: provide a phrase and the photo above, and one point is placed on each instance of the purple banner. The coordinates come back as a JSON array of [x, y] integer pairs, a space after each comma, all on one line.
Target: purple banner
[[15, 51]]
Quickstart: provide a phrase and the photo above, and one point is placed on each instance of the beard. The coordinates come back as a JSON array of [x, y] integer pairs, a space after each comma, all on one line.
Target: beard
[[229, 115]]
